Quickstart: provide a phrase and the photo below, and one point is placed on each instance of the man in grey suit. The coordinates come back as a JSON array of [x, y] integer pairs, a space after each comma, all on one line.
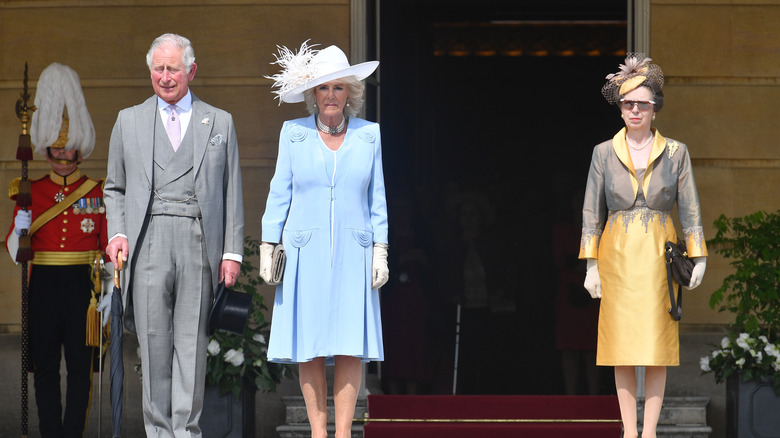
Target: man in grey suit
[[175, 210]]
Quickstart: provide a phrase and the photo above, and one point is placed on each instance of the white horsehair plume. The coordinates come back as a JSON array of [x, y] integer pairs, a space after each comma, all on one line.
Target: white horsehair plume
[[59, 92], [296, 69]]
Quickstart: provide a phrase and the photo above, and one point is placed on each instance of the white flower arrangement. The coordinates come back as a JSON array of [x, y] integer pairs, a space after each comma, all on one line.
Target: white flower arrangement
[[754, 356]]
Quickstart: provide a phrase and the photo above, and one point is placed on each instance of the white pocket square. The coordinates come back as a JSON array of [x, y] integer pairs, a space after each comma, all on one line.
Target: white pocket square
[[216, 140]]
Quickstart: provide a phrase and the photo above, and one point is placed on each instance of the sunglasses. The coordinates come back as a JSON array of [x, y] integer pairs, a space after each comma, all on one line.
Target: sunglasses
[[643, 105]]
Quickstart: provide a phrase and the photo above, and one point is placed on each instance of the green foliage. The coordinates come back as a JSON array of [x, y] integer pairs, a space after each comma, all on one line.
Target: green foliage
[[751, 294], [233, 359]]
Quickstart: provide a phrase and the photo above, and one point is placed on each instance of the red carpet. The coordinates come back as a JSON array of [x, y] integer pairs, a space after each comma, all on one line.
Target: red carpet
[[393, 416]]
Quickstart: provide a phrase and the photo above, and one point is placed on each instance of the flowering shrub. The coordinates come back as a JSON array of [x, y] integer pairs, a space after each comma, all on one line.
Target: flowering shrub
[[233, 359], [755, 356], [750, 293]]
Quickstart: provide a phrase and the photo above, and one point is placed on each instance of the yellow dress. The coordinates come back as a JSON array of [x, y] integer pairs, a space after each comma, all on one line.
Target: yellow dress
[[635, 327], [626, 221]]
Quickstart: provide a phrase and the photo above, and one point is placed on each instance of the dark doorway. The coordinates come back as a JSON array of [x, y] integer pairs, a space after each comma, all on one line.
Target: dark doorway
[[490, 110]]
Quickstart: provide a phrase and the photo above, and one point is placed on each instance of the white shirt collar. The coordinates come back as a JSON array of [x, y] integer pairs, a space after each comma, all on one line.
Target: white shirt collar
[[184, 105], [184, 110]]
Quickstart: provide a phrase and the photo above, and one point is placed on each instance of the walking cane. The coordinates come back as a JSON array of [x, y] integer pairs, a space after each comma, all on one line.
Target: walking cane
[[457, 345]]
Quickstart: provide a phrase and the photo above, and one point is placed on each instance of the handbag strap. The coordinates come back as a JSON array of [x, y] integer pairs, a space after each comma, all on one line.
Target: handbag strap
[[676, 309]]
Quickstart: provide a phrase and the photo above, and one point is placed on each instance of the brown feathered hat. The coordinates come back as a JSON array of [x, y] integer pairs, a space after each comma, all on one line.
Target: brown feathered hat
[[637, 71]]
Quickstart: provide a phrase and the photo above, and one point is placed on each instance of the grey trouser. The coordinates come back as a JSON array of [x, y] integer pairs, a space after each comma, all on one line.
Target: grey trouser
[[172, 292]]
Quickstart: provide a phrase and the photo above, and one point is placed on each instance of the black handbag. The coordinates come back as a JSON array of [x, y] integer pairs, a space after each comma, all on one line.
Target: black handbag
[[678, 268]]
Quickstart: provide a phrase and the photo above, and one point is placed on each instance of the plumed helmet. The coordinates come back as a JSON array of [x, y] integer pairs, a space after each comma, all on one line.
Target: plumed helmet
[[61, 119]]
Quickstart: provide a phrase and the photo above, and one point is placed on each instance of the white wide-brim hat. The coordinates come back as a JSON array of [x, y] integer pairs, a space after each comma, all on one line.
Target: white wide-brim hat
[[323, 66]]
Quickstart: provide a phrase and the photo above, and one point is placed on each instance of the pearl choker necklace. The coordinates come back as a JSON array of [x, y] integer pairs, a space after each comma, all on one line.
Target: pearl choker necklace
[[332, 131], [639, 148]]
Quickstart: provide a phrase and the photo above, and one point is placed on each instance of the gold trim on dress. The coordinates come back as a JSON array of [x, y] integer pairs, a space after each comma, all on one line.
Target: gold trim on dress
[[621, 149], [659, 143], [589, 244]]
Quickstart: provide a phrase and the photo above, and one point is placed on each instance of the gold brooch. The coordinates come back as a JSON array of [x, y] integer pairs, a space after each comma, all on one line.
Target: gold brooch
[[672, 148]]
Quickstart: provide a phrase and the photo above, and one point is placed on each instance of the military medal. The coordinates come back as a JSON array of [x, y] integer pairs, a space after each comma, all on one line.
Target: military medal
[[89, 206], [87, 225], [80, 207], [59, 196]]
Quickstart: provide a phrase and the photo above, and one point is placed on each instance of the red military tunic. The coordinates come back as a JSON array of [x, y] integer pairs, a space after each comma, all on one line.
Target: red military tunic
[[61, 281], [75, 235]]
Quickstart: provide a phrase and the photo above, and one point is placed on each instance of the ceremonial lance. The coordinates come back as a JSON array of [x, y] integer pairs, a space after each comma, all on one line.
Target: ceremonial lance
[[24, 254]]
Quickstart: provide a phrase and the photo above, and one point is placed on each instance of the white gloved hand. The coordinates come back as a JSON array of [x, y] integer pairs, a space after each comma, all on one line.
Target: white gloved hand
[[700, 265], [104, 307], [22, 221], [266, 252], [592, 279], [379, 271]]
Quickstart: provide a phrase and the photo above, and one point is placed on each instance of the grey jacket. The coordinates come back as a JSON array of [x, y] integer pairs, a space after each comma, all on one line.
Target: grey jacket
[[128, 187], [613, 185]]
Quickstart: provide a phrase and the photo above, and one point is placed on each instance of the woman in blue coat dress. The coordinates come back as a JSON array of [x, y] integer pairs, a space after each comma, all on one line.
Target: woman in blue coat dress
[[326, 206]]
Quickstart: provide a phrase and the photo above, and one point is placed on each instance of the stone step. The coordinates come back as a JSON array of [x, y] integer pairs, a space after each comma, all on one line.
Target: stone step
[[682, 431], [303, 431], [681, 417], [295, 410], [680, 410]]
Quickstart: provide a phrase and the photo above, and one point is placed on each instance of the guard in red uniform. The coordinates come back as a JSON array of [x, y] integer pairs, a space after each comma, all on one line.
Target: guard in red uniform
[[67, 225]]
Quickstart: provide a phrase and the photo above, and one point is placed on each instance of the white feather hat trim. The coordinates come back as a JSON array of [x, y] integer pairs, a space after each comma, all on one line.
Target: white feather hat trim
[[309, 68]]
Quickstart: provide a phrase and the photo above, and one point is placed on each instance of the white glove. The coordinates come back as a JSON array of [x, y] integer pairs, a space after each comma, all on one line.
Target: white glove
[[107, 276], [379, 271], [104, 306], [266, 251], [22, 221], [700, 265], [592, 279]]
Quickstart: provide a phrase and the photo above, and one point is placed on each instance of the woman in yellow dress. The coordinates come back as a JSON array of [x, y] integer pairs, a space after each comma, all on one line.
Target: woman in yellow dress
[[634, 180]]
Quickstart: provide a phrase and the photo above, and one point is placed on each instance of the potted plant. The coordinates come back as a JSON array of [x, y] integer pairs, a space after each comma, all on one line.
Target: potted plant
[[237, 366], [748, 358]]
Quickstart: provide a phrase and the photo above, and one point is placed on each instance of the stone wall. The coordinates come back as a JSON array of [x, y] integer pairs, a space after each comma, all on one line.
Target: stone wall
[[722, 68], [106, 43]]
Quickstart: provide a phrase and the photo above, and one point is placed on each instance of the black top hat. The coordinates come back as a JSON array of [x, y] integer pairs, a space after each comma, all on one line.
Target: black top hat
[[230, 311]]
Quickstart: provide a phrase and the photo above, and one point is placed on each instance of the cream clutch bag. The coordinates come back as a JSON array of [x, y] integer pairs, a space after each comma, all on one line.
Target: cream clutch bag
[[278, 260]]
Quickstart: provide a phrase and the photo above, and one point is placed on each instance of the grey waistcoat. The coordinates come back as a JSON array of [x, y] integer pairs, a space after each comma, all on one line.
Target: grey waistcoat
[[174, 182]]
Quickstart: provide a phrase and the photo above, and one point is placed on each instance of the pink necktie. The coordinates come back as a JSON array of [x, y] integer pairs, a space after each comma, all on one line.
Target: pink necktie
[[174, 128]]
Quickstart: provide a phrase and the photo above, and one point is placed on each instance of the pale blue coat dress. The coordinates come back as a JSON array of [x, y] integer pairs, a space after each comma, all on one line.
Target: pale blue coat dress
[[329, 209]]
